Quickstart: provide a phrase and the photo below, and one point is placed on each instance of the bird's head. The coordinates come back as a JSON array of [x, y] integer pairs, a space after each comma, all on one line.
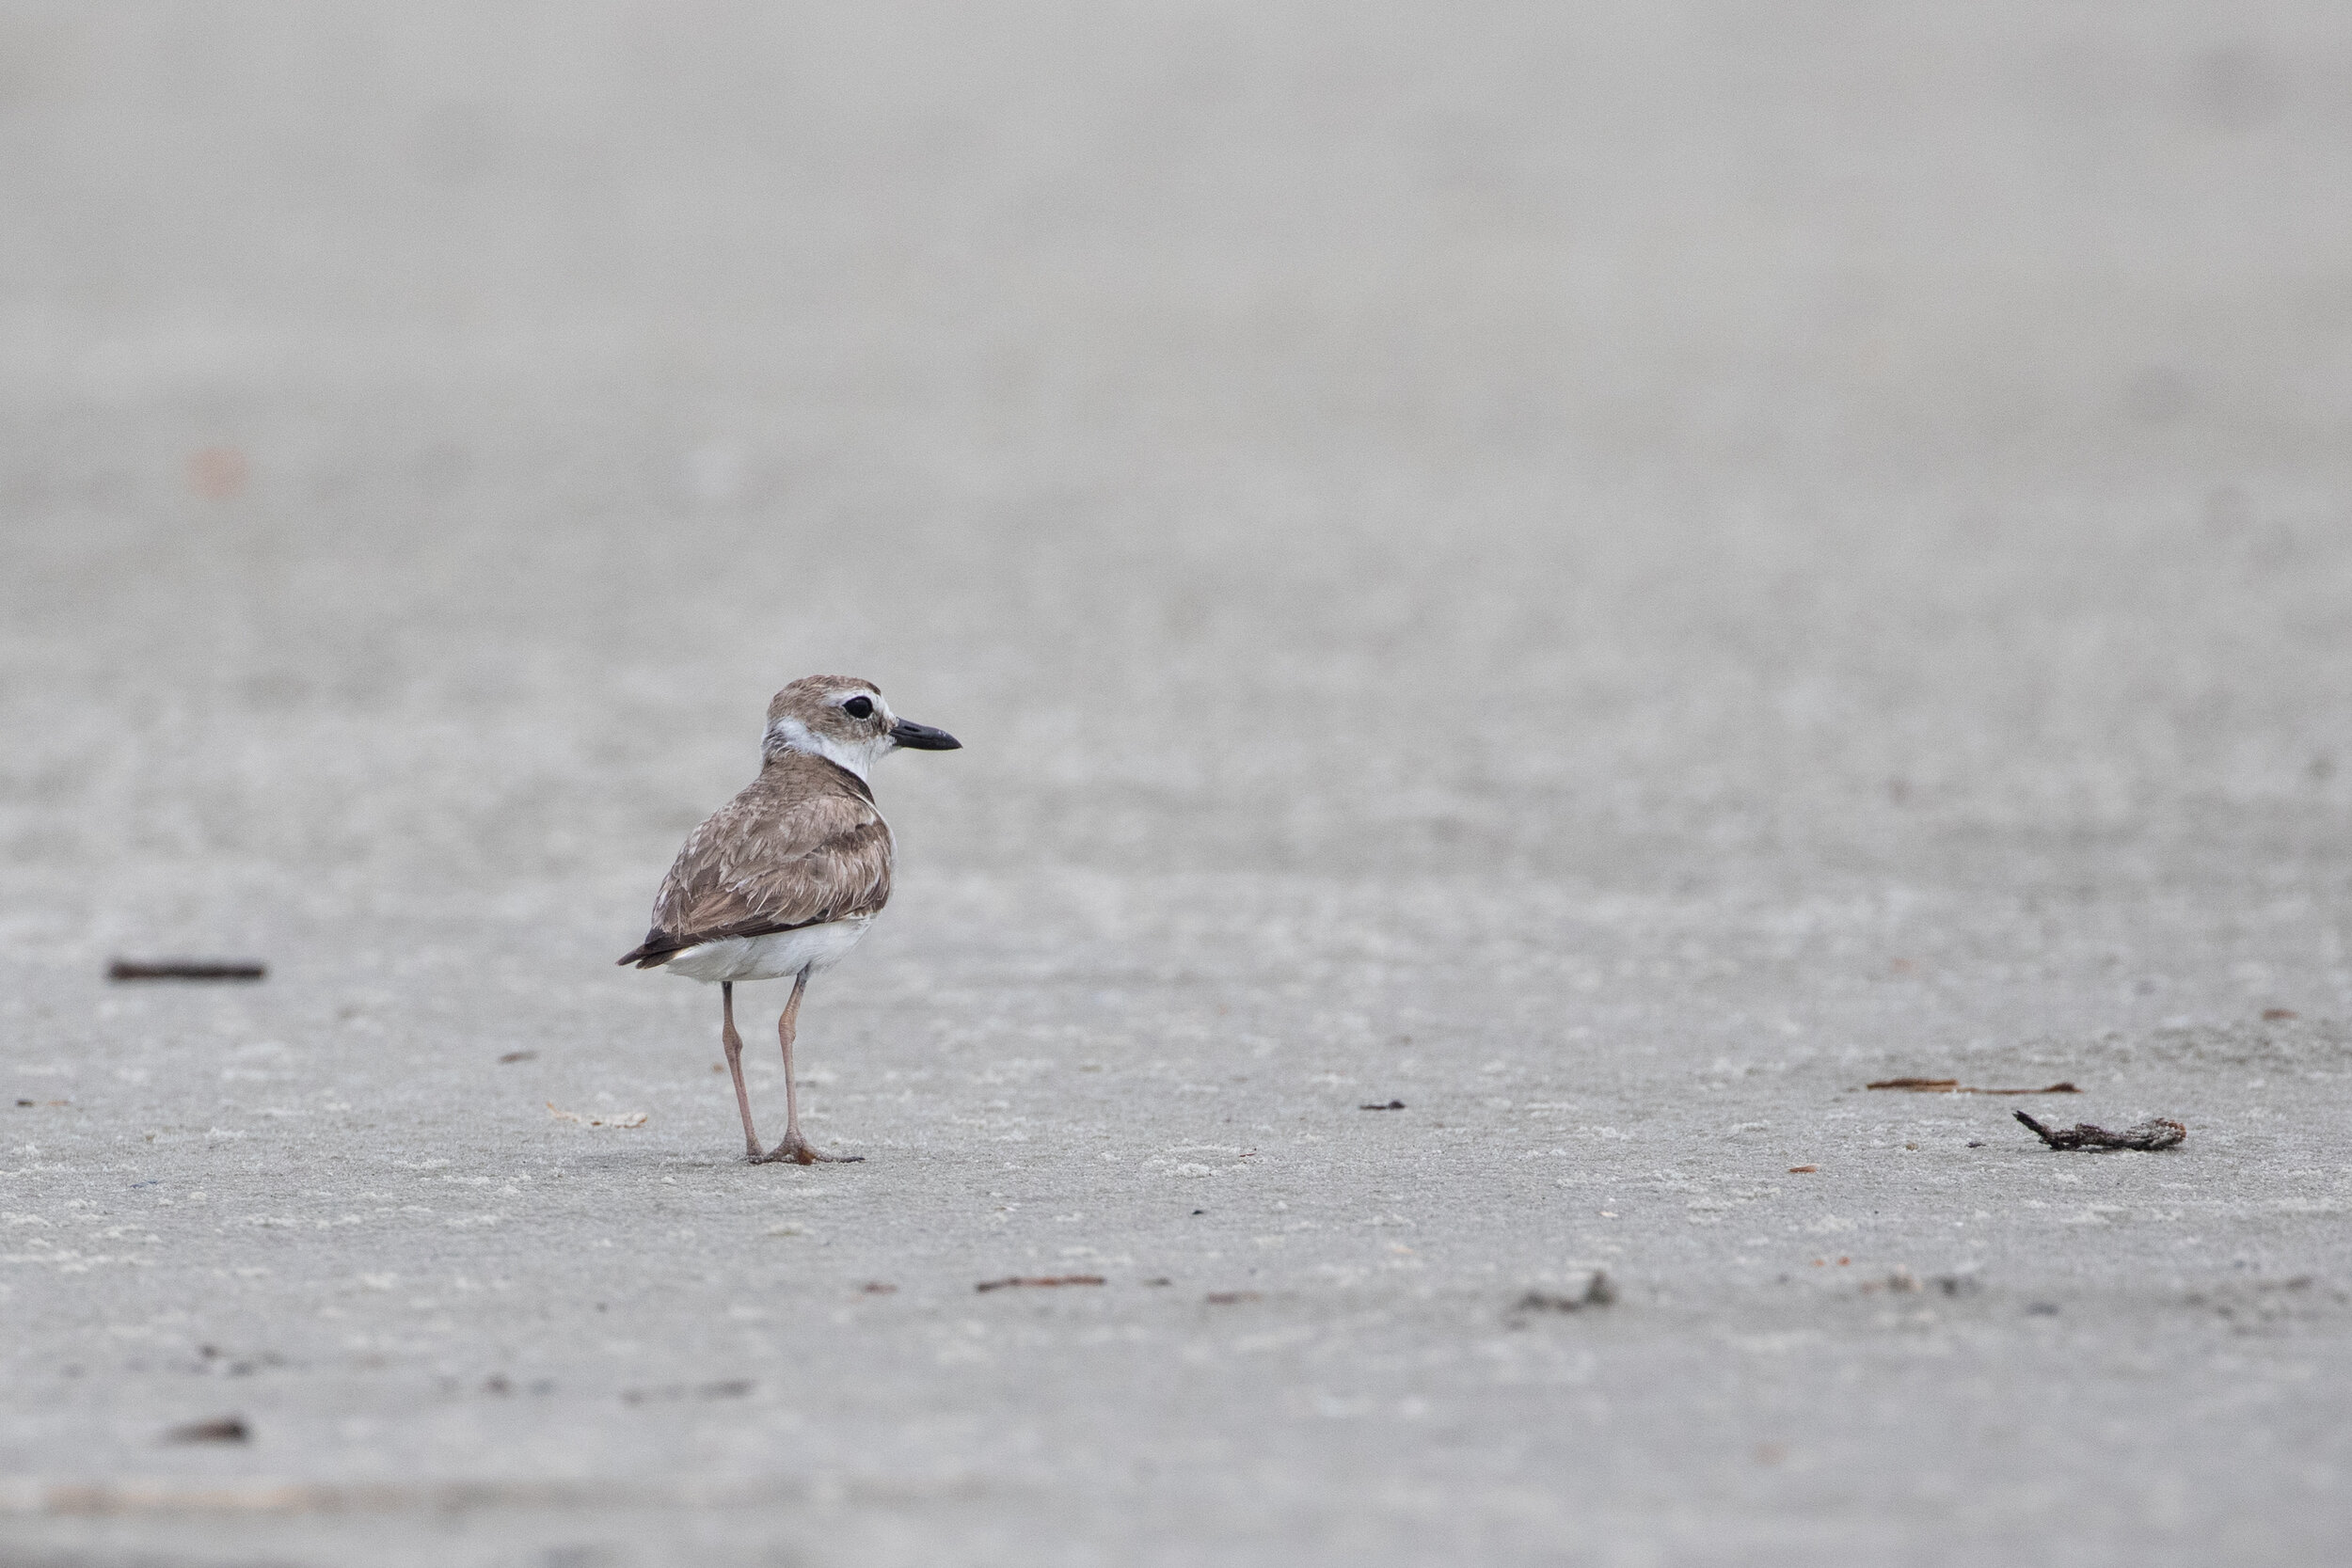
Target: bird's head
[[844, 720]]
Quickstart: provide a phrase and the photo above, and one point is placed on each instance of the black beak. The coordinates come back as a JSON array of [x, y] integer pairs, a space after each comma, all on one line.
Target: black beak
[[922, 737]]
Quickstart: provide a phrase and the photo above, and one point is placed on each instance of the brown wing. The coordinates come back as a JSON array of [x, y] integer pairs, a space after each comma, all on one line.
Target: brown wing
[[796, 848]]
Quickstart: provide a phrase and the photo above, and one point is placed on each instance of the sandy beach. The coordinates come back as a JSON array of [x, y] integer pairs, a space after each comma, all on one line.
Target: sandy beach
[[1533, 598]]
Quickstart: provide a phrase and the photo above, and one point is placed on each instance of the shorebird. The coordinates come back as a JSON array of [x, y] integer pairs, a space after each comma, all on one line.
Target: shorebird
[[783, 879]]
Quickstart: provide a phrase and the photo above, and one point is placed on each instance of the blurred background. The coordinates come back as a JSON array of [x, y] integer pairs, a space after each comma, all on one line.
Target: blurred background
[[1614, 442], [1609, 572]]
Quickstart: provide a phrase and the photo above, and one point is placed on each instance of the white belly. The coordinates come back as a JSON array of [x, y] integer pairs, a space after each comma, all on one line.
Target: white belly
[[773, 957]]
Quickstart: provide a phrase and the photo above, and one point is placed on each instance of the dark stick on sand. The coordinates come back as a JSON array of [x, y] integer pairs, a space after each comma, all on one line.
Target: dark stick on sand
[[1953, 1085], [186, 969]]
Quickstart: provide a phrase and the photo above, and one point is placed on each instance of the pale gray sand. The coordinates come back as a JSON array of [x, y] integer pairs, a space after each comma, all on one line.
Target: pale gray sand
[[1611, 580]]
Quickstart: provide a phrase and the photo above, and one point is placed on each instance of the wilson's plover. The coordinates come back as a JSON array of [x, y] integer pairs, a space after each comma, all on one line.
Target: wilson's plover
[[784, 879]]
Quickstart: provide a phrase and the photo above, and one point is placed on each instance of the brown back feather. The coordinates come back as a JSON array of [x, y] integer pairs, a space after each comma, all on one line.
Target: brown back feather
[[801, 845]]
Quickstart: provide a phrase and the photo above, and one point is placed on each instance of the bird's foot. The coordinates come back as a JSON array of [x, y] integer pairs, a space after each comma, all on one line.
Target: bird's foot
[[797, 1150]]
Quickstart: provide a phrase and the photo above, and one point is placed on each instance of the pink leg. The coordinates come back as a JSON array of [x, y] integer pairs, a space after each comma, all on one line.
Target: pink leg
[[794, 1147], [735, 1064]]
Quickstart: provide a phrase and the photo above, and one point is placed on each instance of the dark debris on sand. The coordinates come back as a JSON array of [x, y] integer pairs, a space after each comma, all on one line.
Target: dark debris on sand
[[2157, 1133]]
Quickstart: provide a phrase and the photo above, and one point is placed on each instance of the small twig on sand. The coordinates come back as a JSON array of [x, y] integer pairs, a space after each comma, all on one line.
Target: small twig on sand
[[2158, 1134], [1953, 1085], [1037, 1281], [221, 1429], [1597, 1292], [186, 969]]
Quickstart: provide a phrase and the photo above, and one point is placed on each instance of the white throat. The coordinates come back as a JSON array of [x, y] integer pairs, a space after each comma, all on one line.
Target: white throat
[[790, 735]]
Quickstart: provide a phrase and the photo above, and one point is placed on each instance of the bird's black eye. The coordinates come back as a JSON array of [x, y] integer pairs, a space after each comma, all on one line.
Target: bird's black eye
[[859, 707]]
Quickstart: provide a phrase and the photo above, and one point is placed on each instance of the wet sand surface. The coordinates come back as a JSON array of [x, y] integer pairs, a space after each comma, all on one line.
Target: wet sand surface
[[1597, 584]]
